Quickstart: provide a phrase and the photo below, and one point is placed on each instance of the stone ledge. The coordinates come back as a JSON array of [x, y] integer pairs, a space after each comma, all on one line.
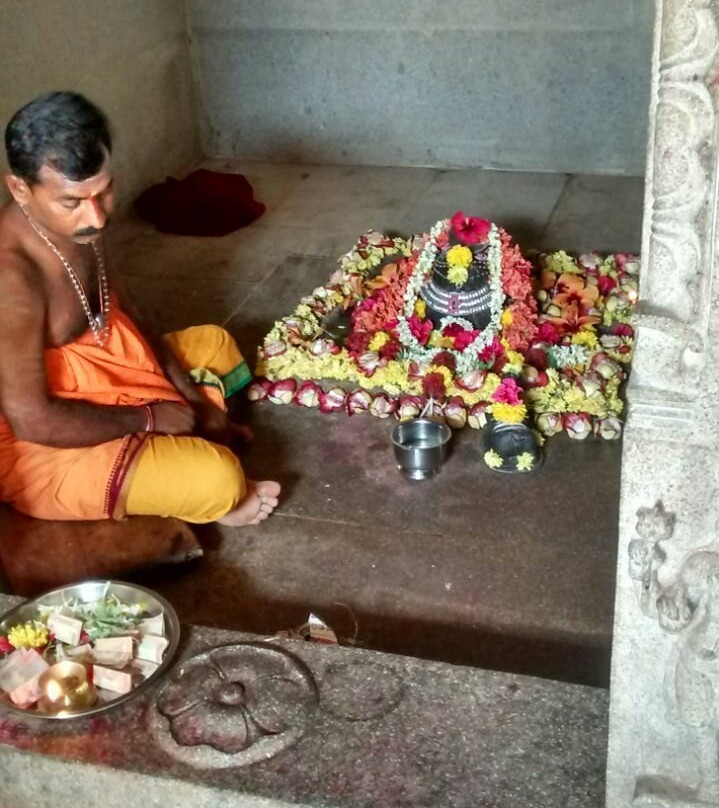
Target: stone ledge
[[378, 730]]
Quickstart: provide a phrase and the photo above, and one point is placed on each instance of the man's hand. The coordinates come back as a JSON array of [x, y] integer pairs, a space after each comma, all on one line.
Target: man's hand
[[173, 419], [215, 425]]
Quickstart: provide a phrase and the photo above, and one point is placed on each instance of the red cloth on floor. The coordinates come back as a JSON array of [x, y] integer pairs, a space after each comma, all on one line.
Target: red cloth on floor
[[205, 203]]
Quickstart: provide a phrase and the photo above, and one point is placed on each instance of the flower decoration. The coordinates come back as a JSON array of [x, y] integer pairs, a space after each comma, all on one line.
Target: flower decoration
[[493, 459], [470, 229], [558, 341], [457, 275], [459, 256], [32, 634], [525, 461]]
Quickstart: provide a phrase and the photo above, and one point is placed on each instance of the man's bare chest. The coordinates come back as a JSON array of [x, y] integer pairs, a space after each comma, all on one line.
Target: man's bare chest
[[68, 296]]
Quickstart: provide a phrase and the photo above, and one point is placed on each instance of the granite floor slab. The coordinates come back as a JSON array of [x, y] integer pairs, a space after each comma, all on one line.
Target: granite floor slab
[[355, 730]]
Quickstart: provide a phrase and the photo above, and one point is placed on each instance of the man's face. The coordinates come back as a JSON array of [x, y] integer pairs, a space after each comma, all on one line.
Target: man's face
[[66, 208]]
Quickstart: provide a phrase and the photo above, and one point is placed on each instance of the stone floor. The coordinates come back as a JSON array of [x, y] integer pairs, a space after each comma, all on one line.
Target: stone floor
[[474, 568]]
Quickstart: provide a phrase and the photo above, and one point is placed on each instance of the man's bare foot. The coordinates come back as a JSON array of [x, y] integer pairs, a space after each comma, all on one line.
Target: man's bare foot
[[259, 502]]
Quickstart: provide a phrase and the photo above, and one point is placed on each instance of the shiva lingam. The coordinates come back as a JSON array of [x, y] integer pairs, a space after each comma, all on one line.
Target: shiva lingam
[[65, 688], [469, 298]]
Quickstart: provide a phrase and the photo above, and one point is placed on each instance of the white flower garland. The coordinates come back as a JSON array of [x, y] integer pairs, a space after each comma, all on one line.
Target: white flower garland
[[466, 359]]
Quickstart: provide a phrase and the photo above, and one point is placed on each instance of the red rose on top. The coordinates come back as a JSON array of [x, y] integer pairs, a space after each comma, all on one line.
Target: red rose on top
[[470, 229]]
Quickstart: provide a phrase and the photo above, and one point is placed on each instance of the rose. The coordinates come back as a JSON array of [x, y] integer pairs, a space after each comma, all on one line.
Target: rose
[[358, 401], [531, 377], [369, 361], [382, 406], [258, 390], [471, 381], [578, 425], [320, 347], [332, 400], [409, 407], [308, 394], [608, 428], [274, 347], [455, 413], [549, 423], [282, 392], [477, 418]]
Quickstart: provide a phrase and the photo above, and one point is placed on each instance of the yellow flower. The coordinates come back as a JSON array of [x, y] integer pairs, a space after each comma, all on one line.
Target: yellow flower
[[457, 275], [491, 383], [378, 340], [436, 340], [420, 309], [492, 459], [506, 318], [459, 256], [585, 337], [525, 461], [28, 635], [509, 413], [515, 362], [560, 262]]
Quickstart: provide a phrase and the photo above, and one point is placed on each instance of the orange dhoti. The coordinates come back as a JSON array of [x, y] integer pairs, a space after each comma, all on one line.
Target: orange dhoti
[[186, 477]]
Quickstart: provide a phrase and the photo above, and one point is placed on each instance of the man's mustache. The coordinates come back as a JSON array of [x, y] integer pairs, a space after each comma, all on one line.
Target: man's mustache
[[87, 231]]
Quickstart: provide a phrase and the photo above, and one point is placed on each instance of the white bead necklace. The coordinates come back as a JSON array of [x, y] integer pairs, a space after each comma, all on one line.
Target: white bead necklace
[[99, 324]]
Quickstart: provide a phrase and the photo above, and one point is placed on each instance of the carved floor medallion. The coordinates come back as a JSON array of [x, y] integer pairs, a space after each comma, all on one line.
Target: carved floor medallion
[[234, 705]]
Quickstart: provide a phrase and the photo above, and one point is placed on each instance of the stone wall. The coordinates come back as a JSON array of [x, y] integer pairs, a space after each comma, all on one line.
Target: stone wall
[[556, 85], [664, 720], [131, 58]]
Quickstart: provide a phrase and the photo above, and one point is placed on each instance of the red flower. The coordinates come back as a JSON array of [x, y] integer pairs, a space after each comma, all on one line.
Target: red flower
[[84, 638], [489, 353], [444, 359], [389, 350], [433, 386], [421, 329], [5, 646], [547, 333], [508, 392], [470, 229], [623, 330], [605, 284], [537, 358], [358, 342]]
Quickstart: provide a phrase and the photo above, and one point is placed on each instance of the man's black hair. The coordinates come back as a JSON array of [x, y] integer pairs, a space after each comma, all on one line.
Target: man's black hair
[[62, 130]]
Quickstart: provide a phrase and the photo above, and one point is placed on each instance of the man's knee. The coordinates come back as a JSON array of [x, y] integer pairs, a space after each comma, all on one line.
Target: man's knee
[[186, 477]]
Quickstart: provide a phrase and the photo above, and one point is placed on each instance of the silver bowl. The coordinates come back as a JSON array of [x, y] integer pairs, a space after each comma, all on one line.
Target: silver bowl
[[420, 447], [87, 592]]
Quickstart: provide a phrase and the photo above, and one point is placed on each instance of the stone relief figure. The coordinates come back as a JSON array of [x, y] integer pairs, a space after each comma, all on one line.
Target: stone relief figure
[[654, 525], [690, 606], [687, 605]]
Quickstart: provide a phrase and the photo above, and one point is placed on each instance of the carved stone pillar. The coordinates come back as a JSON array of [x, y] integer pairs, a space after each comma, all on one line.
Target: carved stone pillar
[[664, 720]]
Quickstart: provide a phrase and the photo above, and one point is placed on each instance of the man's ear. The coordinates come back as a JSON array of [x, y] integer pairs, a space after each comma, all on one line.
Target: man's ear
[[18, 188]]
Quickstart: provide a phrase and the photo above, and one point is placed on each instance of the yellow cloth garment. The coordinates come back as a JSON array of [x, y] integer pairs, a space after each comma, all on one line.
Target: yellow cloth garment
[[189, 478]]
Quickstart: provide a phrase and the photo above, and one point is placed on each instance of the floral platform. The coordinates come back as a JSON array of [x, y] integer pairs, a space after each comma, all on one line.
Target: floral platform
[[553, 352]]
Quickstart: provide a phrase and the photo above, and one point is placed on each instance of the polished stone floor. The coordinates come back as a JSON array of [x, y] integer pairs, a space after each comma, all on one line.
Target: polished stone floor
[[472, 567]]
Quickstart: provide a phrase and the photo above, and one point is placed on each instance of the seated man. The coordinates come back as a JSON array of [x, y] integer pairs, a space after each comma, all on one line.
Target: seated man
[[100, 417]]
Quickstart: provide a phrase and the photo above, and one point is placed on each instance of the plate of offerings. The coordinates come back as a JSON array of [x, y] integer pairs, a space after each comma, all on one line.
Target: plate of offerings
[[83, 649]]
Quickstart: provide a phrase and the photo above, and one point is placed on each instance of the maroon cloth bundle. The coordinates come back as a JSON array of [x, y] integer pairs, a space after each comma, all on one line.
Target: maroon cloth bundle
[[204, 203]]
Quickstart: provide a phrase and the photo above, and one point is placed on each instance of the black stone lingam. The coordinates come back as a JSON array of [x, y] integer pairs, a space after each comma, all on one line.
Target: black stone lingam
[[470, 301]]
